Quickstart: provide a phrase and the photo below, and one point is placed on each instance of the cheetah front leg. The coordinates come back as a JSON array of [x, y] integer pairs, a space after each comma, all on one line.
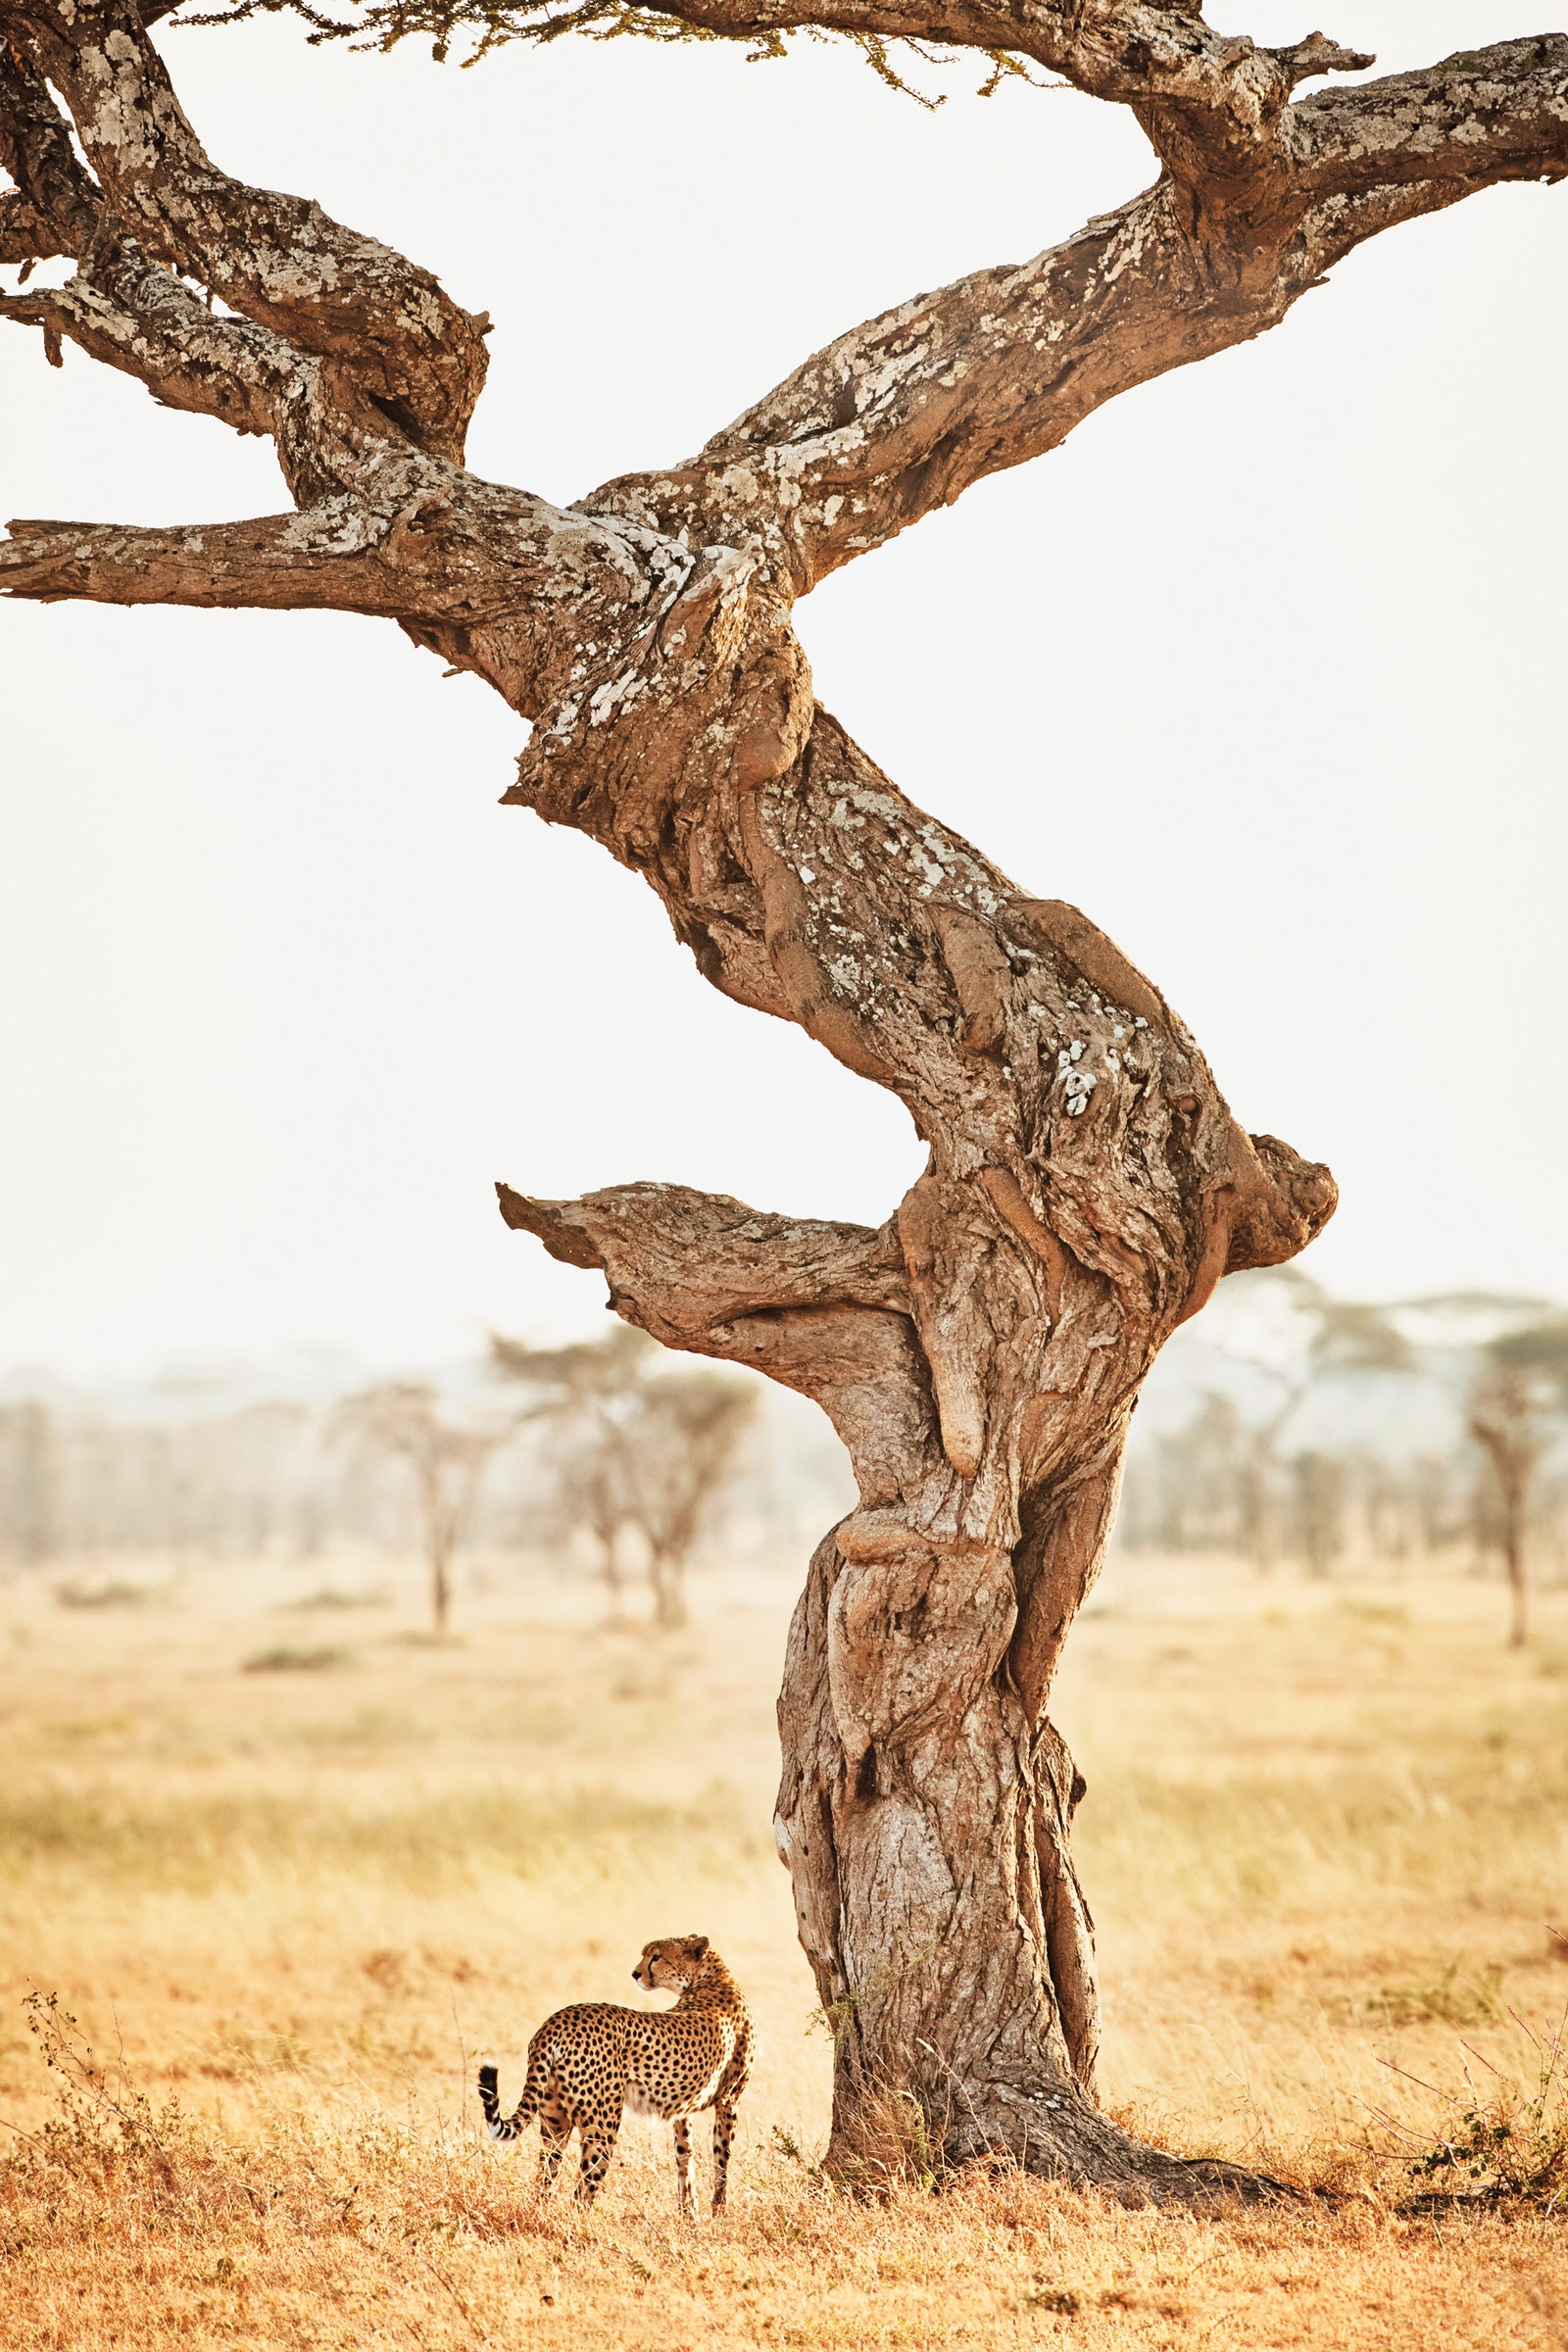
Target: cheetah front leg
[[683, 2164], [723, 2127]]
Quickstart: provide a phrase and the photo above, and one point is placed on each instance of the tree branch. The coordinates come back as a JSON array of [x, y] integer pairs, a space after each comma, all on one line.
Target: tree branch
[[823, 1309], [462, 566], [1472, 120], [26, 235], [696, 1263], [1156, 56], [137, 317], [294, 562], [56, 206], [1142, 52], [126, 311], [899, 415], [277, 258]]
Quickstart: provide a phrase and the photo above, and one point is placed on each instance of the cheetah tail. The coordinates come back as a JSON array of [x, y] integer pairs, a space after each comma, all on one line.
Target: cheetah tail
[[499, 2126]]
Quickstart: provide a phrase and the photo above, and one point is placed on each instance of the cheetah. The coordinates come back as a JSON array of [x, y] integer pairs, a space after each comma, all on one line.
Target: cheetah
[[591, 2064]]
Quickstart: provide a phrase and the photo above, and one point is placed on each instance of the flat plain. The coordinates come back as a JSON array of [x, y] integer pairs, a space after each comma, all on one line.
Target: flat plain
[[292, 1869]]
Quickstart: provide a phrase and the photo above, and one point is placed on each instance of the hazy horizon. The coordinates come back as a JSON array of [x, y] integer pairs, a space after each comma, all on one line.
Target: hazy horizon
[[1440, 1323]]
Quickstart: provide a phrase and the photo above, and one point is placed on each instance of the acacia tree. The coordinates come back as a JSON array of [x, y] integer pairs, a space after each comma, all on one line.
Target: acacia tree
[[1324, 1338], [644, 1448], [1087, 1185], [684, 1439], [1523, 1378], [587, 1390], [446, 1461]]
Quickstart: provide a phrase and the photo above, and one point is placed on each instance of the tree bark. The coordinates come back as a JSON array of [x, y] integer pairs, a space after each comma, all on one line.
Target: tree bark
[[1087, 1186]]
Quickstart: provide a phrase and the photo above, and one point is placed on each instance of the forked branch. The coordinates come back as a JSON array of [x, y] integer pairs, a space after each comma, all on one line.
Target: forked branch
[[899, 415], [278, 260]]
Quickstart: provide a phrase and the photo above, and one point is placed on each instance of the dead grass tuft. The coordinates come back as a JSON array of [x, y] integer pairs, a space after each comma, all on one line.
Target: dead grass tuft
[[1504, 2139], [285, 1657]]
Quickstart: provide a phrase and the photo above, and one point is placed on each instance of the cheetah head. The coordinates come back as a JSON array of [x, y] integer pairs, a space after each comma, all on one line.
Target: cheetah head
[[671, 1965]]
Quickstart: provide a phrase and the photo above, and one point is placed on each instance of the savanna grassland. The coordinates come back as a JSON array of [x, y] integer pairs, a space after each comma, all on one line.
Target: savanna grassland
[[293, 1870]]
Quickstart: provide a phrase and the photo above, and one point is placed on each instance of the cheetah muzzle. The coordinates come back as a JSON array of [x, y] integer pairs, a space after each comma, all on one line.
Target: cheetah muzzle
[[590, 2065]]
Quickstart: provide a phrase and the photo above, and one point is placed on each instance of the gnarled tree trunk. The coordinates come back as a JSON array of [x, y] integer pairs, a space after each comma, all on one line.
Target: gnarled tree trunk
[[980, 1357], [1087, 1186]]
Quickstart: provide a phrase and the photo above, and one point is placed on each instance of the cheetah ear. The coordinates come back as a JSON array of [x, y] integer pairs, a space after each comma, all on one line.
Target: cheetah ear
[[699, 1944]]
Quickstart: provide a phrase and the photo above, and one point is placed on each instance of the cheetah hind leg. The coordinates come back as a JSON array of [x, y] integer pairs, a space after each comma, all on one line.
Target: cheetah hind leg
[[723, 2127], [555, 2130], [598, 2147], [683, 2164]]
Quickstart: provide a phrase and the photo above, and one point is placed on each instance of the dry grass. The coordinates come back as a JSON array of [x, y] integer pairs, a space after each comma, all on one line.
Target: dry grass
[[1324, 1832]]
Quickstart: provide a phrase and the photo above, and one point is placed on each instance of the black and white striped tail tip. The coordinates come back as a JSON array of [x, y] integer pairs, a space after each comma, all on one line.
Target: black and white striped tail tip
[[490, 2105]]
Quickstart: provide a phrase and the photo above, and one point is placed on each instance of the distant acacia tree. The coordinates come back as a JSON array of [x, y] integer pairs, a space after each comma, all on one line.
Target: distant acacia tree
[[1348, 1336], [647, 1450], [1296, 1499], [981, 1350], [29, 1499], [684, 1437], [589, 1485], [446, 1460], [587, 1390], [1320, 1487], [1522, 1383]]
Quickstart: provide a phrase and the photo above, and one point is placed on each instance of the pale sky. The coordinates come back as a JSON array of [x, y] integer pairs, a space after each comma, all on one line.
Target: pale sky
[[1264, 670]]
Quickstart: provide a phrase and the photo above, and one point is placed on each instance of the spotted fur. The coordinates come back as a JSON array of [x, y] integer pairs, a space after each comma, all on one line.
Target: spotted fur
[[590, 2065]]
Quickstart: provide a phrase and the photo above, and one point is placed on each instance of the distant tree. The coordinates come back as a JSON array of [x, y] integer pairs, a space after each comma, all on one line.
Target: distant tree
[[588, 1372], [591, 1492], [588, 1388], [446, 1459], [1353, 1335], [684, 1436], [1314, 1339], [1319, 1483], [1348, 1336], [1521, 1383], [1386, 1495], [652, 1451], [1199, 1468], [28, 1482], [1435, 1503]]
